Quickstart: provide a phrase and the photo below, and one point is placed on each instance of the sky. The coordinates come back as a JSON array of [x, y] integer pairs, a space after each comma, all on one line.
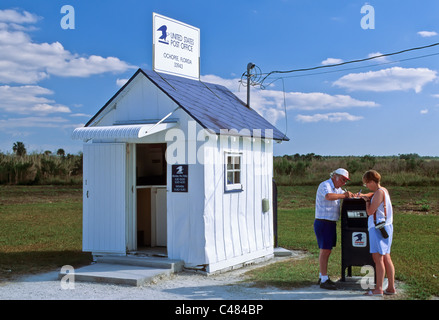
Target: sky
[[55, 74]]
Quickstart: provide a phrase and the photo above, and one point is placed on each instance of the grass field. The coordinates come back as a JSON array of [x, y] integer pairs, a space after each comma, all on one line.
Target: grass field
[[414, 250], [41, 230]]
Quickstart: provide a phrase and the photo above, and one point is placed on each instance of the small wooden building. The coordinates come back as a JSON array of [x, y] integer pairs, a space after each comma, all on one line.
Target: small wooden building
[[181, 164]]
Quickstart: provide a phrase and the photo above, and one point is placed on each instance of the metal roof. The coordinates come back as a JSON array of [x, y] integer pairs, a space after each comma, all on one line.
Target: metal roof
[[119, 132], [213, 106]]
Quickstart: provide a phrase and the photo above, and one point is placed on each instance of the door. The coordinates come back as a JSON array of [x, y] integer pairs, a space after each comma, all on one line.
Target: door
[[161, 217], [151, 217], [143, 217], [104, 198]]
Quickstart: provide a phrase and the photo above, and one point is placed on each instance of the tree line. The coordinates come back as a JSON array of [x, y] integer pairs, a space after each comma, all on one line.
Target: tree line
[[311, 169], [298, 169], [39, 168]]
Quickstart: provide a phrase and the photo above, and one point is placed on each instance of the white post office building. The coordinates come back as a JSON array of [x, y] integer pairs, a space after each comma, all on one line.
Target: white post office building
[[181, 164]]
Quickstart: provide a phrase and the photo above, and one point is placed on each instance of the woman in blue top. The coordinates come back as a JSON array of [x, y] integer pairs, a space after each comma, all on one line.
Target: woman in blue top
[[379, 209]]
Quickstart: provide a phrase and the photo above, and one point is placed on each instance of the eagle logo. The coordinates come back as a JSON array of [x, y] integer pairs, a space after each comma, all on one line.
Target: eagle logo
[[359, 237], [162, 38], [179, 170]]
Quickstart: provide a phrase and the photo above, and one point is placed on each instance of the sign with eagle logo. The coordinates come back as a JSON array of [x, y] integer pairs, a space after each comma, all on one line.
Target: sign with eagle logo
[[359, 239], [176, 47]]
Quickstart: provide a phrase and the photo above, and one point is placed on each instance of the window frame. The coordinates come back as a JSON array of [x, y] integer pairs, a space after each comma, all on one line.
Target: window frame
[[234, 185]]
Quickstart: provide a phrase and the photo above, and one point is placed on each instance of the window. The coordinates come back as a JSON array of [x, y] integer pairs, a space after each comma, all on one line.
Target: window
[[233, 171]]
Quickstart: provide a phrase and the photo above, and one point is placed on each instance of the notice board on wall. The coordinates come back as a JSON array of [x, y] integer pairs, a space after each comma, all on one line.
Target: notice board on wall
[[180, 177]]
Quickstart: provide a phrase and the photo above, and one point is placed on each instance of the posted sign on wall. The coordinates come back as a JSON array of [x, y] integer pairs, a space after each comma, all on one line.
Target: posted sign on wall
[[180, 176], [176, 47]]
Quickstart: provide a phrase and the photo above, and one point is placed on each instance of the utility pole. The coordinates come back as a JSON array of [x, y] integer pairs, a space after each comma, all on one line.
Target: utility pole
[[250, 66]]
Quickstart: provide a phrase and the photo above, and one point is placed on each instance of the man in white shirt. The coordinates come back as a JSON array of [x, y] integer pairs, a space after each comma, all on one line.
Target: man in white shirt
[[329, 194]]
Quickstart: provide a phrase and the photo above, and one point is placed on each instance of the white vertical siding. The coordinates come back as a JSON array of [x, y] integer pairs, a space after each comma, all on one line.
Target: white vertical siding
[[249, 183], [104, 198], [214, 216], [268, 192], [236, 228], [185, 220], [186, 224]]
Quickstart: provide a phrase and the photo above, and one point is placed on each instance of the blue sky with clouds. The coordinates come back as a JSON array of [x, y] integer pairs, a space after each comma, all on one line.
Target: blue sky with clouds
[[53, 80]]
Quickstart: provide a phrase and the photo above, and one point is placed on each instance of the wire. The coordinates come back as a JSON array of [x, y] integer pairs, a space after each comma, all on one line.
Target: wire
[[255, 76], [346, 62], [354, 68], [257, 73]]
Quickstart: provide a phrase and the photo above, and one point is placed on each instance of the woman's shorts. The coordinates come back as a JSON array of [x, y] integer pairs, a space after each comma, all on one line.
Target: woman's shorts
[[326, 233], [377, 243]]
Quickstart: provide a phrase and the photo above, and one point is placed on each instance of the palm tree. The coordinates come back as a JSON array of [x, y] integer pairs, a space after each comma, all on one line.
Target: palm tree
[[61, 153], [19, 148]]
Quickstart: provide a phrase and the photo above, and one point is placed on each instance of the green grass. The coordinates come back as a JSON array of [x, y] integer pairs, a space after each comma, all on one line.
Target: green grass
[[415, 253], [40, 229], [414, 249]]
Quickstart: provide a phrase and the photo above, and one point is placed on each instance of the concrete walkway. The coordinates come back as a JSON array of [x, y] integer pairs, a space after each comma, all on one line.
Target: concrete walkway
[[126, 270], [134, 270], [118, 274]]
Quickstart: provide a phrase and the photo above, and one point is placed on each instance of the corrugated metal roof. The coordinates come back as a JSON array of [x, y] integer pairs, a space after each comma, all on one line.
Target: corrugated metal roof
[[119, 132]]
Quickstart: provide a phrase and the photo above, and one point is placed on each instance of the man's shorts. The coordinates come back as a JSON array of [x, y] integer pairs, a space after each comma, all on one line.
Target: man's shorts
[[326, 233]]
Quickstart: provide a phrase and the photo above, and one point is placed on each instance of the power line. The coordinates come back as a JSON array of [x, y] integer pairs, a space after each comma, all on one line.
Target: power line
[[256, 75], [344, 63], [354, 68]]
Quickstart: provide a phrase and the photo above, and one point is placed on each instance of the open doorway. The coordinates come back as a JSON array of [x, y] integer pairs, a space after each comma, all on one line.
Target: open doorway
[[151, 196]]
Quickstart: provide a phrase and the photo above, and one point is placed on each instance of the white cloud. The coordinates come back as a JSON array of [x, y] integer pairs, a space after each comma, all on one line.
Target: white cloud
[[270, 103], [13, 16], [33, 122], [376, 54], [24, 61], [231, 84], [424, 111], [121, 82], [27, 126], [426, 34], [329, 117], [391, 79], [28, 100], [86, 115], [331, 61], [75, 66], [324, 101]]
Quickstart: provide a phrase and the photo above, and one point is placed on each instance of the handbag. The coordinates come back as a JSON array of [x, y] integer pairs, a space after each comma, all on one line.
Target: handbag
[[381, 226]]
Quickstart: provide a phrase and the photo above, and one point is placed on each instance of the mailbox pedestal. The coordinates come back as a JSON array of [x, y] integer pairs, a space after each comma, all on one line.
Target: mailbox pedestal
[[355, 236]]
